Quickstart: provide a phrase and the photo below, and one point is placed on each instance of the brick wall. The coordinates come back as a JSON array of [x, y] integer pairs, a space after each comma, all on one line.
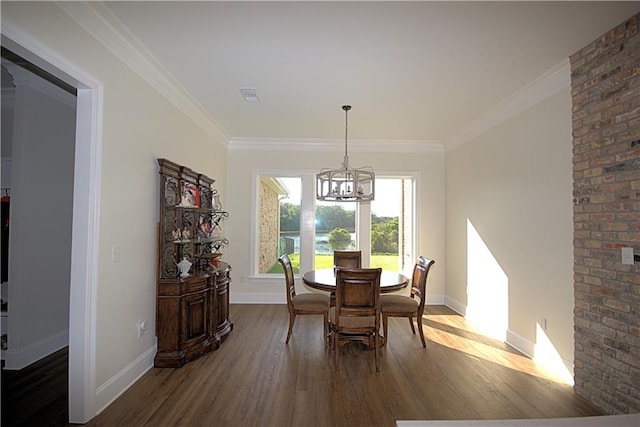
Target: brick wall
[[269, 228], [605, 83]]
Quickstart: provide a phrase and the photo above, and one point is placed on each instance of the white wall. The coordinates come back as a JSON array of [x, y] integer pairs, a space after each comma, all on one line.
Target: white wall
[[241, 162], [513, 182], [139, 125]]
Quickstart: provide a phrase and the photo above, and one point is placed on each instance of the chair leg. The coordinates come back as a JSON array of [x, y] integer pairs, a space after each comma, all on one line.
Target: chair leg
[[336, 348], [424, 344], [325, 329], [377, 350], [385, 319], [332, 337], [413, 329], [292, 318]]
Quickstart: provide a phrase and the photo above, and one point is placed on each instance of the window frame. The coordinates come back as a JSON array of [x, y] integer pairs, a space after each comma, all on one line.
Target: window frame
[[307, 218]]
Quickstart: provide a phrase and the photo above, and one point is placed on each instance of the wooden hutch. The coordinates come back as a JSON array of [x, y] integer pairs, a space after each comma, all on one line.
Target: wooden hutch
[[192, 295]]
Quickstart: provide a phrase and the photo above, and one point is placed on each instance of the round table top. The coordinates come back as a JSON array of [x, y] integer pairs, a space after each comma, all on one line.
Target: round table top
[[324, 279]]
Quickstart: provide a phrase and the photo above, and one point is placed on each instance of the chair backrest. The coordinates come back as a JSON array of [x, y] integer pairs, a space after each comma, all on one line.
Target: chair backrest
[[357, 292], [288, 278], [419, 279], [347, 259]]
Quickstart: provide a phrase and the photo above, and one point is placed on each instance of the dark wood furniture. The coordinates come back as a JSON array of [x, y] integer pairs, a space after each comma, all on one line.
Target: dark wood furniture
[[349, 259], [324, 279], [192, 301], [408, 306], [356, 314], [309, 303]]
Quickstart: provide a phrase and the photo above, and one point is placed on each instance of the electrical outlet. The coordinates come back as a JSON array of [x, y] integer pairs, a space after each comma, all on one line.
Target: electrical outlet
[[627, 256], [115, 254], [142, 328], [543, 323]]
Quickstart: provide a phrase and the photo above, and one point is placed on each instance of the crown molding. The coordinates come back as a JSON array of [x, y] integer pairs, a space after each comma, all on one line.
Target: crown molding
[[544, 86], [328, 144], [97, 20]]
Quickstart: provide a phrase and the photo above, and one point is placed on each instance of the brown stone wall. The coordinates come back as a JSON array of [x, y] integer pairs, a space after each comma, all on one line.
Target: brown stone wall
[[605, 83]]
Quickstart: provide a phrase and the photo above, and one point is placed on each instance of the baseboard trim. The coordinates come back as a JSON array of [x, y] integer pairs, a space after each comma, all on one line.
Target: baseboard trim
[[257, 298], [517, 342], [456, 306], [119, 383], [16, 359]]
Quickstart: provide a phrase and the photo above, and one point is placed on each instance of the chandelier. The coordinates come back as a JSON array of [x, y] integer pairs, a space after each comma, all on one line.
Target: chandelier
[[345, 184]]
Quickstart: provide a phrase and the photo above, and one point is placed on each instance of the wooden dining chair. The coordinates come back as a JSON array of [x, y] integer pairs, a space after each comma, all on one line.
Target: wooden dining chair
[[301, 304], [348, 259], [356, 314], [408, 306], [345, 259]]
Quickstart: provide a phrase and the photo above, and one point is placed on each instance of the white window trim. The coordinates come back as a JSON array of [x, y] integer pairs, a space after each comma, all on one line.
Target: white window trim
[[307, 217]]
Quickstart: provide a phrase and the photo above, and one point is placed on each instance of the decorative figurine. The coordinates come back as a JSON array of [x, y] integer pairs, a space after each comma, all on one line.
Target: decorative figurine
[[186, 234], [176, 234], [205, 227], [190, 196]]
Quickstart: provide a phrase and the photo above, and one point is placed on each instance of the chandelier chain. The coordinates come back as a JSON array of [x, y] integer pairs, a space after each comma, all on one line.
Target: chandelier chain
[[346, 109]]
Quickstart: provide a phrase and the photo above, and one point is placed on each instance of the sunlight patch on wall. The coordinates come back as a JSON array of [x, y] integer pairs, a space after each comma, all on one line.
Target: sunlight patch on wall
[[487, 288], [546, 355]]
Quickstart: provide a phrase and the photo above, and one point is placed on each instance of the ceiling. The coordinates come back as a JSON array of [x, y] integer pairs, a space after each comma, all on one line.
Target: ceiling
[[413, 71]]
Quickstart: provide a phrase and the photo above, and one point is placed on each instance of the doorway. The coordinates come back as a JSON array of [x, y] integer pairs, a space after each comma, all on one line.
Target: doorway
[[38, 145], [84, 227]]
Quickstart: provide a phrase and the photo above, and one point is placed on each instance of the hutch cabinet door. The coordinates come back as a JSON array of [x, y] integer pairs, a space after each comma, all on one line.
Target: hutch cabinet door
[[194, 319], [222, 325]]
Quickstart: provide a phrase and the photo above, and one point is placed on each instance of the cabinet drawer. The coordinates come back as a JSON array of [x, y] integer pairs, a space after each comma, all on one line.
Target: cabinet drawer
[[197, 283], [177, 287]]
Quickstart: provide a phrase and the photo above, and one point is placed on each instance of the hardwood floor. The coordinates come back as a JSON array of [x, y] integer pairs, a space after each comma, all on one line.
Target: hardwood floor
[[255, 379], [38, 394]]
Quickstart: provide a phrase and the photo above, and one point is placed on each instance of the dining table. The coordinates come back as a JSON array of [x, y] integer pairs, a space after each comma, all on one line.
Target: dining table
[[324, 279]]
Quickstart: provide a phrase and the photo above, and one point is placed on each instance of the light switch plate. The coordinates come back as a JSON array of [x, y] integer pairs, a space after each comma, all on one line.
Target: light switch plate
[[627, 256]]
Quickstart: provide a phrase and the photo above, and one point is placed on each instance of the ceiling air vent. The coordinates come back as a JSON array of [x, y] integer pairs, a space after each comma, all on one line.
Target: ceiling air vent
[[249, 94]]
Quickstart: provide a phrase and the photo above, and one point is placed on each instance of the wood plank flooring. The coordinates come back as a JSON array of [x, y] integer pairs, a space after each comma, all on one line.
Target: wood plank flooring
[[38, 394], [255, 379]]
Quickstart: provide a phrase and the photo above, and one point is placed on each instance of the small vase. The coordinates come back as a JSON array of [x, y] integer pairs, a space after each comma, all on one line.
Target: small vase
[[184, 266], [216, 202]]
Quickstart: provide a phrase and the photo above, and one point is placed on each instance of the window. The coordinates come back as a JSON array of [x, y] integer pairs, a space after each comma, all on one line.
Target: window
[[392, 224], [289, 220], [335, 230], [278, 222]]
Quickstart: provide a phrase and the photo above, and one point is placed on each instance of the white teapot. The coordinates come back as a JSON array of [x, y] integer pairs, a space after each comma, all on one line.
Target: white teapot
[[184, 267]]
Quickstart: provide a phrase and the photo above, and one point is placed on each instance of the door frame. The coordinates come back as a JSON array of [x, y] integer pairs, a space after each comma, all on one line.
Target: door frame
[[86, 213]]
